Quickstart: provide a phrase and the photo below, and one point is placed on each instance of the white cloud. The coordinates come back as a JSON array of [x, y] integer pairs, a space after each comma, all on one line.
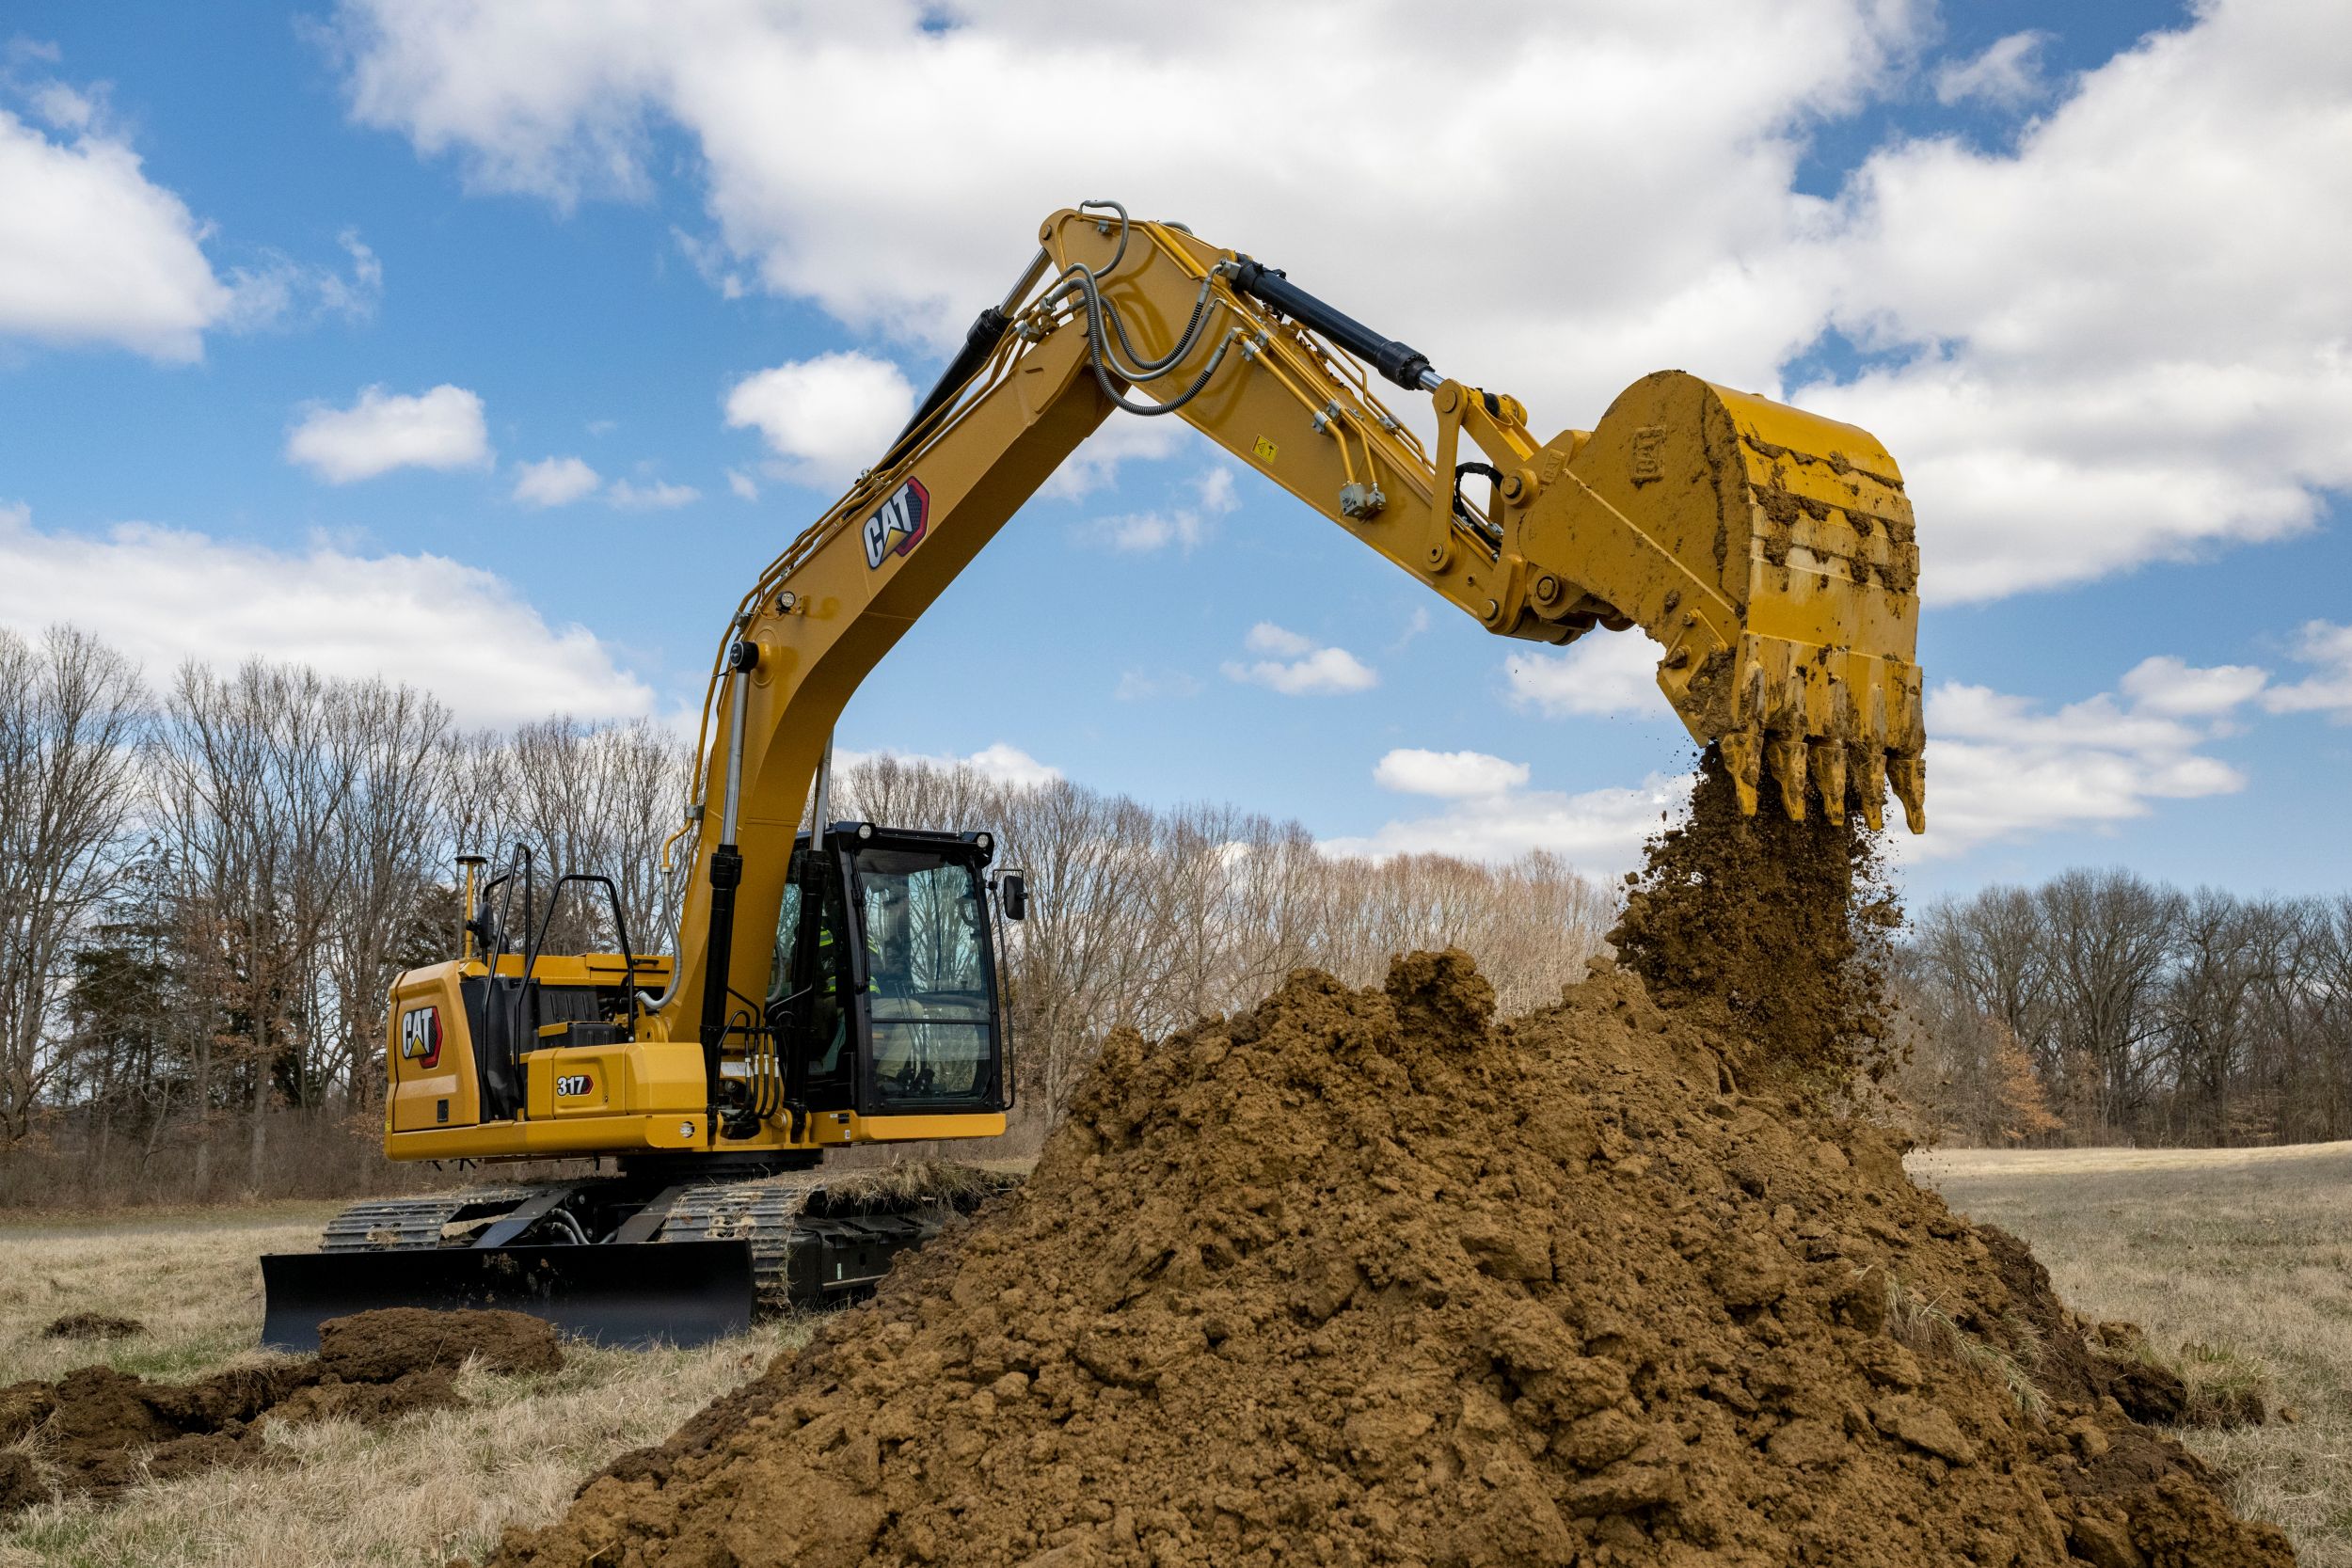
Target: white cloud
[[1000, 761], [554, 482], [2003, 768], [2131, 337], [652, 496], [1450, 774], [163, 595], [827, 417], [440, 429], [741, 485], [1300, 666], [2007, 76], [2177, 689], [1598, 831], [1601, 674], [92, 252], [2123, 340], [1184, 527], [2328, 689]]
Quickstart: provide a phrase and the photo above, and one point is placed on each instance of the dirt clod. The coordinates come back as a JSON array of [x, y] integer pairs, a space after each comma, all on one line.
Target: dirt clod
[[101, 1430], [1363, 1276], [93, 1325]]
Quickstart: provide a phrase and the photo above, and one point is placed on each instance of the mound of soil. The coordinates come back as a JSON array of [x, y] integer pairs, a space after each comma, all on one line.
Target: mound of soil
[[93, 1325], [1361, 1276], [98, 1431]]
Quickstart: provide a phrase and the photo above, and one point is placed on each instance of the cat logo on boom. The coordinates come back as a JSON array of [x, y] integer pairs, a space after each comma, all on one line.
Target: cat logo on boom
[[898, 528]]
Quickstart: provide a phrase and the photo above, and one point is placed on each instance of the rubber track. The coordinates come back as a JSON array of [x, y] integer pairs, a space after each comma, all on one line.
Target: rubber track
[[404, 1223]]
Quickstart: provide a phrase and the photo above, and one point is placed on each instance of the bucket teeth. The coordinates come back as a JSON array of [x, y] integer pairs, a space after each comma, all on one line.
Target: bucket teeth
[[1743, 756], [1828, 761], [1785, 754], [1908, 773], [1871, 786]]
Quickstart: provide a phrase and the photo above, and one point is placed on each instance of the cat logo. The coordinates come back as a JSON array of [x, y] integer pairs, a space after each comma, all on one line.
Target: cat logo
[[898, 528], [420, 1036]]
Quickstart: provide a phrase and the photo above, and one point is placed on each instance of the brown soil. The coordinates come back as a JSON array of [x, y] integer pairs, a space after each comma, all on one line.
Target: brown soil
[[1359, 1276], [97, 1430], [1783, 925], [93, 1325]]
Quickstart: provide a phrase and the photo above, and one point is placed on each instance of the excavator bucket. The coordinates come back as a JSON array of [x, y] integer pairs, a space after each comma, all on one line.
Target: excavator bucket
[[645, 1293], [1769, 552]]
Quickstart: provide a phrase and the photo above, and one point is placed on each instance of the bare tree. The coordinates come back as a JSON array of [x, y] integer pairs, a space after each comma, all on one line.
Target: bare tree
[[69, 712]]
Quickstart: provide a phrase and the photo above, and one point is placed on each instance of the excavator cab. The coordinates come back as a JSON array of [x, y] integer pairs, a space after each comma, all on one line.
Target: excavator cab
[[882, 1000]]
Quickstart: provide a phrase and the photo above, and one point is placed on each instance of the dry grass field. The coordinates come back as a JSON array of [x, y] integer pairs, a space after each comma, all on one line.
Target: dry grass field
[[429, 1488], [2238, 1262]]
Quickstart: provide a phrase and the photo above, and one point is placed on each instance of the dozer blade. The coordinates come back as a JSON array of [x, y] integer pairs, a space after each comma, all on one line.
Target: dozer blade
[[1769, 552], [619, 1294]]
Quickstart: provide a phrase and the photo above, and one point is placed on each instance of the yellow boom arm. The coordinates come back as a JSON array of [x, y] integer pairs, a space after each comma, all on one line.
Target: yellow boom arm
[[1768, 551]]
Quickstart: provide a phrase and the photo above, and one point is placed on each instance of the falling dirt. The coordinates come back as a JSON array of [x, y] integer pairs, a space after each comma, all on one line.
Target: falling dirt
[[1361, 1277], [1782, 925], [93, 1325], [96, 1431]]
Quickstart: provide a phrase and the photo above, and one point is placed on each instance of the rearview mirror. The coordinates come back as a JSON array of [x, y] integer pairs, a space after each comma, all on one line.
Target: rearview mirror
[[1013, 894]]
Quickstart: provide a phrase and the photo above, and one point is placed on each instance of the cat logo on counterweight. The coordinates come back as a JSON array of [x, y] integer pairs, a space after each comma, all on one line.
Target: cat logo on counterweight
[[898, 528]]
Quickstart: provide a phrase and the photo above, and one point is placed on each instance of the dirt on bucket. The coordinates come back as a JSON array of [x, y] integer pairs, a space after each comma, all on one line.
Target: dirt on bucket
[[1365, 1277], [96, 1431]]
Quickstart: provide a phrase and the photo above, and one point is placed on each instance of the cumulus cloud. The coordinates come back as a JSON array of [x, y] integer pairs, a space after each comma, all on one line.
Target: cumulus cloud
[[163, 595], [1001, 761], [1183, 527], [1600, 675], [2327, 689], [2007, 76], [2004, 768], [1450, 774], [2174, 688], [440, 429], [1598, 831], [1298, 665], [555, 482], [652, 496], [741, 485], [91, 251], [2127, 340], [827, 417], [2121, 339]]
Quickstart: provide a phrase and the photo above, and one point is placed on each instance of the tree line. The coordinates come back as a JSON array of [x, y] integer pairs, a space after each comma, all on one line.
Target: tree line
[[2101, 1007], [207, 884]]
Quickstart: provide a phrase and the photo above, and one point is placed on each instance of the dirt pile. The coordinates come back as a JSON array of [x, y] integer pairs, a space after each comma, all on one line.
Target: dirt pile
[[92, 1325], [1359, 1276], [1782, 925], [96, 1430]]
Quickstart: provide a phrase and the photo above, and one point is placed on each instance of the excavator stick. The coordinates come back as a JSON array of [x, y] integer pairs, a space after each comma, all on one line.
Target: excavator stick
[[645, 1293], [1769, 552]]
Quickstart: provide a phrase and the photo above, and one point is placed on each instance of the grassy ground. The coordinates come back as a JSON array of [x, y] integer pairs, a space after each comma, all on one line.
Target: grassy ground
[[2237, 1262], [419, 1492]]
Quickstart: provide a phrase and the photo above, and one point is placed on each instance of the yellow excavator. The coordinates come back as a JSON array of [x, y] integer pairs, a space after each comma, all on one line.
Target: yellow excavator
[[840, 985]]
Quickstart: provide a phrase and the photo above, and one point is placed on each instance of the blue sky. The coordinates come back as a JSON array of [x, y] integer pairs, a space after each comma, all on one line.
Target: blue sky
[[2078, 266]]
